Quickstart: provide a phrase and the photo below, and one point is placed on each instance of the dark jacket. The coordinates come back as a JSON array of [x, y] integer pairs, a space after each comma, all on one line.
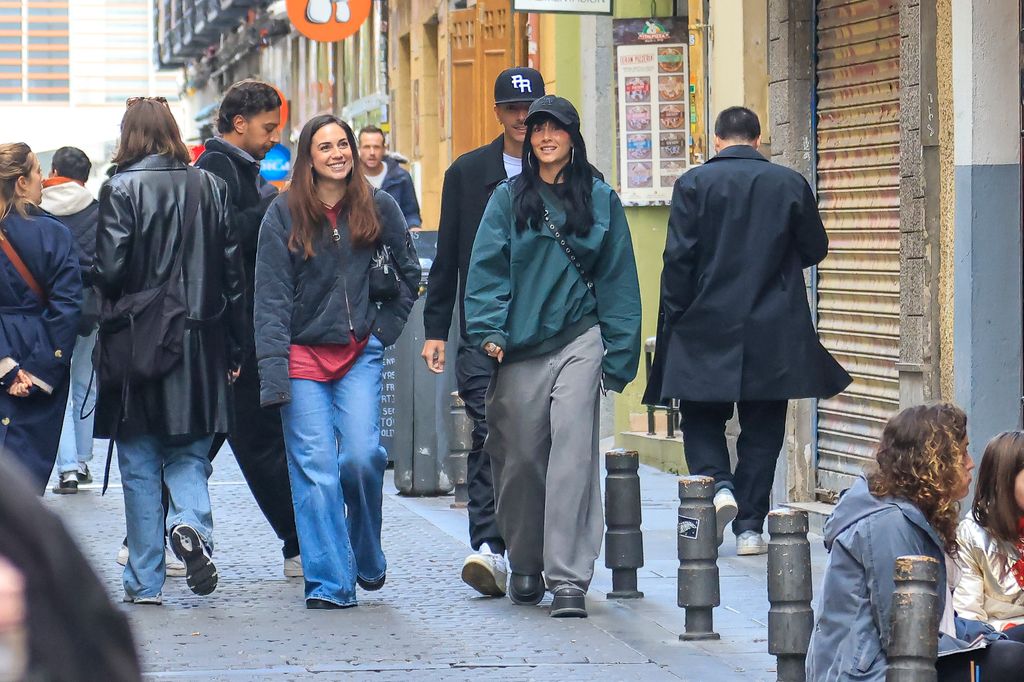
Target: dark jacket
[[514, 276], [74, 206], [246, 204], [734, 323], [140, 230], [468, 184], [68, 607], [398, 183], [324, 299]]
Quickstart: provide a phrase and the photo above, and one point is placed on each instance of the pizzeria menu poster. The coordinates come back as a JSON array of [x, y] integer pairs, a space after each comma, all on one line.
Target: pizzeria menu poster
[[653, 98]]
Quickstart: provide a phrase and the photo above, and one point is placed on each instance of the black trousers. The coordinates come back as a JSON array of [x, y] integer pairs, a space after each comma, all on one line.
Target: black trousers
[[257, 439], [473, 371], [762, 432]]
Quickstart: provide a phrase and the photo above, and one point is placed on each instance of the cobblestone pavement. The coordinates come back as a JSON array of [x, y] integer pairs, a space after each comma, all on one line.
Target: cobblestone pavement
[[425, 624]]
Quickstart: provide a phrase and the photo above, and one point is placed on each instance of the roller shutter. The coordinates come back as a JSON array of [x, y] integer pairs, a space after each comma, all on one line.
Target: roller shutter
[[858, 156]]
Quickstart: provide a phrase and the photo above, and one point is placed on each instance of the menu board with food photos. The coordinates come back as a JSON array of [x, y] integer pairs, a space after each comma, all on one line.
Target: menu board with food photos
[[654, 105]]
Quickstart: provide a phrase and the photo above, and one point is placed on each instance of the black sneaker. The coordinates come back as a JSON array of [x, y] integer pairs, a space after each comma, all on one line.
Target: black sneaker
[[68, 483], [568, 601], [200, 573], [326, 605], [372, 586], [84, 476]]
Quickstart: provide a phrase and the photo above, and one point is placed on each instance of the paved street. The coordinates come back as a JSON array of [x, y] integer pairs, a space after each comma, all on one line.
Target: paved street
[[425, 624]]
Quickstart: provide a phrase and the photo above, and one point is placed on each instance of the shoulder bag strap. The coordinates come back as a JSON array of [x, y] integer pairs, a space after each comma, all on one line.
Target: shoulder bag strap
[[570, 254], [20, 266]]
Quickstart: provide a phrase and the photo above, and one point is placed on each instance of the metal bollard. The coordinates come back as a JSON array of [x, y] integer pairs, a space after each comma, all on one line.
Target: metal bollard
[[697, 542], [915, 624], [623, 541], [460, 441], [790, 618]]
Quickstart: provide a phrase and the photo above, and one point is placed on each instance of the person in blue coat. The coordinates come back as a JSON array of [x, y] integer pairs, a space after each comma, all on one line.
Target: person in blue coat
[[40, 301]]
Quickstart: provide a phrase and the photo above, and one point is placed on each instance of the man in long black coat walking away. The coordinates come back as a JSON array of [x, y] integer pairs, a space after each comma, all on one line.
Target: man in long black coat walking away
[[734, 328]]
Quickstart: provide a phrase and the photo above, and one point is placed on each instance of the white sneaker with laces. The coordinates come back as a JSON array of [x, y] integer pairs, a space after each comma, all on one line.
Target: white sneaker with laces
[[750, 543], [486, 572], [293, 567], [173, 566], [157, 600], [725, 511]]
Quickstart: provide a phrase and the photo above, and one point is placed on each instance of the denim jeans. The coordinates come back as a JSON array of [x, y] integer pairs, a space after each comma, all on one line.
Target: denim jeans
[[336, 467], [76, 436], [144, 462]]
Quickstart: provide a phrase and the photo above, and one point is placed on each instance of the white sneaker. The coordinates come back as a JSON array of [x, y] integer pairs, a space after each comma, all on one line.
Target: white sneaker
[[486, 572], [174, 567], [750, 543], [725, 511], [158, 600], [293, 567]]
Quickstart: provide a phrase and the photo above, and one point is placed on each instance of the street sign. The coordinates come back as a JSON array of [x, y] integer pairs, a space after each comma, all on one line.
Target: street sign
[[277, 164], [328, 21]]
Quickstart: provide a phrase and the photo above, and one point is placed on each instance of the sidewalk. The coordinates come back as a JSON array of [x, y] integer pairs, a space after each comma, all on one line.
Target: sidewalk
[[425, 624]]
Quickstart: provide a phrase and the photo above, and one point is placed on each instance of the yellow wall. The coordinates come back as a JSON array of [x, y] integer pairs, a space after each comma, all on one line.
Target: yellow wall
[[944, 63]]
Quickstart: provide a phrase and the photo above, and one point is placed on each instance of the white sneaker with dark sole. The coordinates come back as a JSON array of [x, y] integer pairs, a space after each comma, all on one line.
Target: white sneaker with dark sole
[[200, 573], [293, 567], [750, 543], [725, 512], [486, 572], [173, 566], [158, 600]]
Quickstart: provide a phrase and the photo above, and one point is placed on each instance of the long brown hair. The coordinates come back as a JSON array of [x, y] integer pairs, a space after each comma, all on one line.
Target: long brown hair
[[16, 161], [149, 128], [995, 507], [920, 459], [309, 225]]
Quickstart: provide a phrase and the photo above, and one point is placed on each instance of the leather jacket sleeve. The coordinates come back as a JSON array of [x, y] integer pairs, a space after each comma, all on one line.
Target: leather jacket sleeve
[[236, 321], [443, 285], [113, 241]]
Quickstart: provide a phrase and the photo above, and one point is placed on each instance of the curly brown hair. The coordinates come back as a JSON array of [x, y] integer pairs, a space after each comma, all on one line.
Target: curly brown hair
[[920, 459]]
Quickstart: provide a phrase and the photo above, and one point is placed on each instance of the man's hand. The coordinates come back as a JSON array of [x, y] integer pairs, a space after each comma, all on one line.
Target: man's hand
[[233, 375], [433, 355], [495, 351], [21, 385]]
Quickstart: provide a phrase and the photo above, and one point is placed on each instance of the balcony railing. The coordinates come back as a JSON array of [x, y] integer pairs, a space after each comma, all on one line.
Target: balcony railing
[[199, 25]]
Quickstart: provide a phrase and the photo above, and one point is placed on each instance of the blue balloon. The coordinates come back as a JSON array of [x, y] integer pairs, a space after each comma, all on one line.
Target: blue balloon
[[277, 164]]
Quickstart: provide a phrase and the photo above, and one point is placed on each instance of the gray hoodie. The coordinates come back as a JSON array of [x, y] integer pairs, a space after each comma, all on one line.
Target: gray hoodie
[[864, 536]]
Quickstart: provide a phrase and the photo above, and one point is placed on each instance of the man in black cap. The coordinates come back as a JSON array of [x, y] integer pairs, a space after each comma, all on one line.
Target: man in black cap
[[468, 184]]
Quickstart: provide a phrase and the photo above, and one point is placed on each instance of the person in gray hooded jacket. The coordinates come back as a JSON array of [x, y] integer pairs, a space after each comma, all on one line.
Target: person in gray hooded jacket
[[909, 504]]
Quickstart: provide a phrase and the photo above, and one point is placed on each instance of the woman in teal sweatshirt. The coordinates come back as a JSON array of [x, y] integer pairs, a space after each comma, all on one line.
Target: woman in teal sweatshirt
[[553, 295]]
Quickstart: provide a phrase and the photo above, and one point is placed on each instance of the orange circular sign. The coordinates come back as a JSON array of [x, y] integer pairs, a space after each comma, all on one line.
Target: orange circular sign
[[328, 21]]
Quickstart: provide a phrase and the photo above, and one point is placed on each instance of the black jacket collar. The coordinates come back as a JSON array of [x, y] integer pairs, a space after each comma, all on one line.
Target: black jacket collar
[[739, 151], [216, 144], [153, 162], [494, 163]]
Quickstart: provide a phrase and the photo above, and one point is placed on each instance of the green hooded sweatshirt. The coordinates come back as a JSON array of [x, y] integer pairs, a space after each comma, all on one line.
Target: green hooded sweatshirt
[[524, 295]]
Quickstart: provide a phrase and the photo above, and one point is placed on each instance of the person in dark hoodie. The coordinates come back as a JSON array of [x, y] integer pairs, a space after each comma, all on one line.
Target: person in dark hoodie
[[384, 172], [249, 126], [908, 504], [66, 197]]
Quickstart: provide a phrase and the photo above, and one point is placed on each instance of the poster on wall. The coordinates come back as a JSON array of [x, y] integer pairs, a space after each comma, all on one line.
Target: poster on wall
[[653, 101]]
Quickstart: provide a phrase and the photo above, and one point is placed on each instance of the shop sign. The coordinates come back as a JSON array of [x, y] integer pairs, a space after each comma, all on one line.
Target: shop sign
[[277, 164], [653, 108], [563, 6], [328, 21]]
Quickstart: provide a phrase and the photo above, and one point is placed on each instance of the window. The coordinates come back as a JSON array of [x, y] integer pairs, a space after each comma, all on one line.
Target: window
[[47, 26], [10, 68], [10, 82], [47, 40], [46, 68], [47, 83], [10, 96], [10, 40], [47, 97]]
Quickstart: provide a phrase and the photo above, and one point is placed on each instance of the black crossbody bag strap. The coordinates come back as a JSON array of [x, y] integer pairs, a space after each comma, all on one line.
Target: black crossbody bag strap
[[570, 254]]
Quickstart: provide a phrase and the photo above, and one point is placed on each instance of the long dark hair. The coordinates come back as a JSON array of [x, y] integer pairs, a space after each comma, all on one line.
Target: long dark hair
[[577, 176], [995, 507], [309, 224], [920, 459]]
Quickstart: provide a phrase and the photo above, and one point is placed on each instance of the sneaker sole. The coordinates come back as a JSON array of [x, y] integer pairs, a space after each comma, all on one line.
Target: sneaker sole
[[144, 601], [723, 517], [294, 573], [751, 551], [571, 607], [64, 491], [481, 578], [200, 573]]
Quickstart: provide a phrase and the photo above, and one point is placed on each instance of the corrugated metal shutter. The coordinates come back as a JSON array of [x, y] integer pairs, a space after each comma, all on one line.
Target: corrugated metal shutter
[[858, 179]]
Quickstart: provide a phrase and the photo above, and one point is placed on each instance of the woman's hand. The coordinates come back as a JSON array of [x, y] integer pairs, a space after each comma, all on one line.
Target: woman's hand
[[21, 385], [495, 351]]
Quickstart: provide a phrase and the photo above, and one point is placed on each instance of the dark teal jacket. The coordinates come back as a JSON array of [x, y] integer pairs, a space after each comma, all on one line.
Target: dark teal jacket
[[523, 294]]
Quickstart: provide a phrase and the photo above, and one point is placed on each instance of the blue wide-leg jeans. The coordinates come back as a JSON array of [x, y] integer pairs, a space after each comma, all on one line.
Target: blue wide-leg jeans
[[336, 467]]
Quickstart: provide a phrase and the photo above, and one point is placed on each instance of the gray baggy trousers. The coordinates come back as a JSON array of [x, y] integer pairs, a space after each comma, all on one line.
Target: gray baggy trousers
[[542, 415]]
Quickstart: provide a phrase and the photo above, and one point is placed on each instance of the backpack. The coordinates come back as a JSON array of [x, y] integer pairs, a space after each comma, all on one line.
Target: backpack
[[141, 335]]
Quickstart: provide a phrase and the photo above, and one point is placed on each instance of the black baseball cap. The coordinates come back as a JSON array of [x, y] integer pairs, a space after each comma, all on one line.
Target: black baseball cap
[[557, 108], [518, 84]]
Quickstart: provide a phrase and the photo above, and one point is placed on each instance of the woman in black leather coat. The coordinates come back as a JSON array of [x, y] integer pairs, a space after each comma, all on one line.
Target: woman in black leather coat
[[165, 426]]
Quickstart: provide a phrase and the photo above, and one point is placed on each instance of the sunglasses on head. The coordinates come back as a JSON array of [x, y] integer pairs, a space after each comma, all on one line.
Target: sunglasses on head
[[132, 101]]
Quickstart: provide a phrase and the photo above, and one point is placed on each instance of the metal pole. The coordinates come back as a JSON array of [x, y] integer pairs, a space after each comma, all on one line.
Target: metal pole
[[790, 618], [623, 541], [915, 621], [697, 542], [459, 443]]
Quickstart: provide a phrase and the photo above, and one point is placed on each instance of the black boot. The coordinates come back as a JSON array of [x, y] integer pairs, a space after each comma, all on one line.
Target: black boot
[[569, 602], [526, 590]]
